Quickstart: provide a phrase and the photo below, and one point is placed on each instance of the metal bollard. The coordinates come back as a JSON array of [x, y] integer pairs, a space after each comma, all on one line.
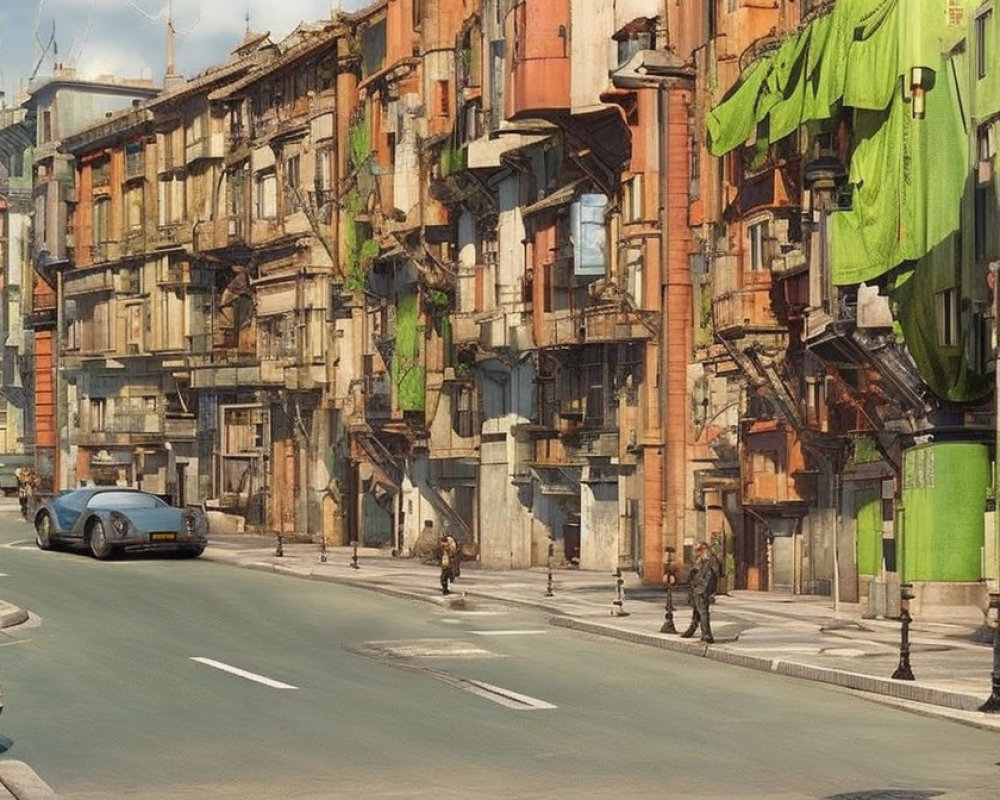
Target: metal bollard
[[992, 705], [903, 671], [618, 605], [548, 583], [669, 578], [322, 548], [354, 555], [279, 547]]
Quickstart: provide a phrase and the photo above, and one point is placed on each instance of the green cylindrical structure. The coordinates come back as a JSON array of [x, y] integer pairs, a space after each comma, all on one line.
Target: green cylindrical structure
[[944, 499]]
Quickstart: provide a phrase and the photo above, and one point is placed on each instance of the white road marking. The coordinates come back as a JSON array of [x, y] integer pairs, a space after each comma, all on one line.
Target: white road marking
[[505, 697], [4, 575], [507, 633], [250, 676]]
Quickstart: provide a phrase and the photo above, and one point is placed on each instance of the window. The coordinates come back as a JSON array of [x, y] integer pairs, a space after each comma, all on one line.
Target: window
[[442, 101], [276, 337], [102, 228], [172, 202], [757, 235], [293, 185], [98, 413], [101, 172], [946, 309], [266, 195], [633, 199], [135, 162], [983, 25], [133, 208]]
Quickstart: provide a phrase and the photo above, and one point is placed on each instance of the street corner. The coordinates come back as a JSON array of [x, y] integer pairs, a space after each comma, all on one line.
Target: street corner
[[11, 615], [23, 783]]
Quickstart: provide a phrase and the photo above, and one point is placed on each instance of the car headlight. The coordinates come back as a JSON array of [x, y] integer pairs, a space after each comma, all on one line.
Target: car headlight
[[189, 525], [119, 524]]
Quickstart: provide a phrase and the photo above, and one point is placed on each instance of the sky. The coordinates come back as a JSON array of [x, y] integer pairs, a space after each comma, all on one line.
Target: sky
[[127, 38]]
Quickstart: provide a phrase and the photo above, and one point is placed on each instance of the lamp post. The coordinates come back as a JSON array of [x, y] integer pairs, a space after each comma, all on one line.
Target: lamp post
[[992, 706], [903, 671], [669, 578], [548, 582]]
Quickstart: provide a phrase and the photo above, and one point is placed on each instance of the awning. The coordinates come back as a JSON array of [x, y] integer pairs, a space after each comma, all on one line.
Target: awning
[[562, 196]]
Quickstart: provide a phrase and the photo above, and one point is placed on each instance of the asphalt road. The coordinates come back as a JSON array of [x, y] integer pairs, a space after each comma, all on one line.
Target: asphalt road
[[176, 679]]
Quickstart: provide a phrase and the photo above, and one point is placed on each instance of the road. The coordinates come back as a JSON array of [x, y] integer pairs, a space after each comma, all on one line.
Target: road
[[164, 679]]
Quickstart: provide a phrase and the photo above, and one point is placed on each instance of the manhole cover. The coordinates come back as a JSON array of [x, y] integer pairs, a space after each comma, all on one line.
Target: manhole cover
[[423, 648]]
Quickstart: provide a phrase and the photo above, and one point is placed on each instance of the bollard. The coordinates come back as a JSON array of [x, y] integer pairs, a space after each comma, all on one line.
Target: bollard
[[354, 554], [548, 583], [903, 671], [279, 548], [992, 706], [618, 605], [669, 578], [322, 548]]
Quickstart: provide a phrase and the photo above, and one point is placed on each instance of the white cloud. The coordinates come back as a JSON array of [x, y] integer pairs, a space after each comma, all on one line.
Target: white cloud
[[128, 37]]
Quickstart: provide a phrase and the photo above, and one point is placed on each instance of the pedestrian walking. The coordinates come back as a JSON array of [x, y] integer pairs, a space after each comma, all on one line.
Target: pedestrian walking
[[455, 555], [444, 556], [702, 586], [25, 488]]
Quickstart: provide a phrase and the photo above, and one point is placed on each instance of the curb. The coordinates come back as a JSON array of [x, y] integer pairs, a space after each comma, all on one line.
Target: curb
[[23, 783], [900, 690]]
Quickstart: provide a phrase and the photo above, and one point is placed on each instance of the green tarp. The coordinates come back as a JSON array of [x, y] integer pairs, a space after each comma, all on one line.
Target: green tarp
[[408, 372], [908, 173], [859, 56]]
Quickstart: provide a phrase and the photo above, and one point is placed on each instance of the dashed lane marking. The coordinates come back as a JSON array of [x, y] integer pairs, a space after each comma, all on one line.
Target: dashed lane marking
[[507, 633], [242, 673]]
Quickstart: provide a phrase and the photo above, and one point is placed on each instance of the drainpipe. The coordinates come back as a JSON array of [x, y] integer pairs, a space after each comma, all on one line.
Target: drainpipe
[[663, 119]]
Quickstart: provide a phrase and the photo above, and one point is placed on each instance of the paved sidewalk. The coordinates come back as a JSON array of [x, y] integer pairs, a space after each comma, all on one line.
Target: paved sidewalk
[[798, 636]]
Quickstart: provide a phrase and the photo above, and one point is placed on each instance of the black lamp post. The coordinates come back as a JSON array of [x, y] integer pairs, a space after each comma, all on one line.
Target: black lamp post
[[992, 706], [903, 671], [548, 582], [669, 578]]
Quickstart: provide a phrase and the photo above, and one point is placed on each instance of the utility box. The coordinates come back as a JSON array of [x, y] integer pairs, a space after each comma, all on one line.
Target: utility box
[[883, 597]]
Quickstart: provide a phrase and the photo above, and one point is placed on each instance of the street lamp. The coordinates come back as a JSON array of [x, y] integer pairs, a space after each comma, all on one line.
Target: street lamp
[[903, 671]]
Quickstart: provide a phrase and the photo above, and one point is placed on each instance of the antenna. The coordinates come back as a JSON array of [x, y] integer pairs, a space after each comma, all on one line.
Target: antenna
[[171, 33], [171, 71]]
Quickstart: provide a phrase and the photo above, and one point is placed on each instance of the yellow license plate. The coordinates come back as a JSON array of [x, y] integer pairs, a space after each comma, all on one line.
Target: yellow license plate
[[163, 537]]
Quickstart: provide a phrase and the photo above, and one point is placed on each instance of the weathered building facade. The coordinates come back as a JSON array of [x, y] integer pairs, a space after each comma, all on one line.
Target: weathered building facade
[[558, 274]]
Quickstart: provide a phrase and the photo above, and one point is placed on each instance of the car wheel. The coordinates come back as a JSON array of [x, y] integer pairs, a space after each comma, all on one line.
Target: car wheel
[[43, 532], [98, 540]]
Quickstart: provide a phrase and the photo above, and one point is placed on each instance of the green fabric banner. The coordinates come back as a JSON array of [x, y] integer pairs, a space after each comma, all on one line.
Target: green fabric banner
[[408, 372]]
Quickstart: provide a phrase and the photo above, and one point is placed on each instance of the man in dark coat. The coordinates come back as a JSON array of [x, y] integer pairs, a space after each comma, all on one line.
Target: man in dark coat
[[703, 584]]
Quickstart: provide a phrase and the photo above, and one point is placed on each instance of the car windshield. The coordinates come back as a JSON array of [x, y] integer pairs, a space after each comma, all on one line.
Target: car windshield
[[117, 500]]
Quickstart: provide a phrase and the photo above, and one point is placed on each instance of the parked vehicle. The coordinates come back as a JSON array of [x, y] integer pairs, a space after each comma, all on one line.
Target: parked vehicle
[[106, 520]]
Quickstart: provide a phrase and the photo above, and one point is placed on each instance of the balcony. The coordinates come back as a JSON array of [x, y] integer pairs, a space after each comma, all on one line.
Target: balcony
[[539, 68], [744, 311], [211, 146]]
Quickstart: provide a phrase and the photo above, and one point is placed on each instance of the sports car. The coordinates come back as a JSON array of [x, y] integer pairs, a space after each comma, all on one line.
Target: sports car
[[106, 520]]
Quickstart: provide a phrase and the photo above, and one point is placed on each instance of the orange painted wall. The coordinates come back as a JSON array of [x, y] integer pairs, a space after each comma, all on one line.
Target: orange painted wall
[[538, 57], [45, 417]]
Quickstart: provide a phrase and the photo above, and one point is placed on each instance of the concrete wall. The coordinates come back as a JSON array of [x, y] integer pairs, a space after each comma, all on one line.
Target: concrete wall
[[600, 542]]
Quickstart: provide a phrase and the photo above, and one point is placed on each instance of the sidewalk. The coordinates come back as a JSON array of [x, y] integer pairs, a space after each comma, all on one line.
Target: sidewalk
[[800, 636]]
